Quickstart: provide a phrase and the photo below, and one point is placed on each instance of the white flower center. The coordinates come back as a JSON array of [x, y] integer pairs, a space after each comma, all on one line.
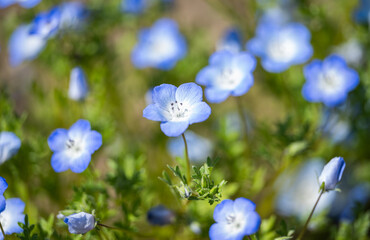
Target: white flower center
[[73, 147], [161, 47], [178, 111], [235, 223], [330, 82], [4, 221], [281, 49], [228, 79]]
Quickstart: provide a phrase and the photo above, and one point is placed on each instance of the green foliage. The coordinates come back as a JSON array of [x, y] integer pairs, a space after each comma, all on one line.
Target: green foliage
[[27, 230]]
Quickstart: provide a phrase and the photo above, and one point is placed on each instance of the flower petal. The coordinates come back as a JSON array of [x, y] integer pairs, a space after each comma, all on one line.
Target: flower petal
[[78, 165], [93, 141], [190, 93], [219, 231], [60, 161], [207, 75], [57, 139], [222, 210], [253, 222], [199, 112], [79, 129], [244, 205], [215, 95], [2, 203], [163, 95], [244, 86], [3, 185], [174, 129], [152, 112]]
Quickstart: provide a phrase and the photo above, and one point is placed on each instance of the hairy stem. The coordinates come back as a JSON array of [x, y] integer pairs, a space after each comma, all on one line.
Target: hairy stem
[[188, 176]]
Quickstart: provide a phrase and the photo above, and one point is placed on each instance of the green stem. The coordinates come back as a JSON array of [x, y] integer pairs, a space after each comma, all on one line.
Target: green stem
[[2, 230], [243, 120], [187, 159], [309, 217]]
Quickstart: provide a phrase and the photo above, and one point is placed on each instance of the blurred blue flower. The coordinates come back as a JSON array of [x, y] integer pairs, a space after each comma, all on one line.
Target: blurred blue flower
[[231, 41], [199, 148], [177, 108], [276, 15], [281, 46], [12, 214], [298, 190], [335, 126], [72, 15], [332, 173], [73, 148], [77, 86], [352, 51], [46, 24], [160, 46], [24, 46], [23, 3], [9, 145], [329, 81], [134, 6], [227, 74], [3, 187], [357, 196], [234, 220], [80, 223], [160, 215], [362, 12]]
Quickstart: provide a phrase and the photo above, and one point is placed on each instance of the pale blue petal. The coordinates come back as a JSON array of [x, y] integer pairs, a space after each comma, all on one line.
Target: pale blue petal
[[253, 222], [2, 203], [245, 61], [199, 112], [79, 129], [57, 139], [190, 93], [219, 231], [93, 141], [29, 3], [77, 85], [244, 86], [152, 112], [243, 205], [60, 161], [207, 75], [6, 3], [3, 185], [215, 95], [222, 210], [14, 208], [164, 94], [174, 129], [78, 165], [220, 58]]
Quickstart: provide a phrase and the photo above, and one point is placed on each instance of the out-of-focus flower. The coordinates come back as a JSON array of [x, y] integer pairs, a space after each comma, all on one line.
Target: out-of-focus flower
[[362, 13], [297, 191], [160, 46], [234, 220], [46, 24], [80, 223], [352, 51], [10, 217], [23, 3], [329, 81], [24, 46], [277, 16], [199, 148], [3, 187], [227, 74], [177, 108], [77, 86], [281, 46], [134, 6], [9, 145], [73, 148], [195, 228], [160, 215], [336, 127], [231, 41], [72, 15], [332, 173]]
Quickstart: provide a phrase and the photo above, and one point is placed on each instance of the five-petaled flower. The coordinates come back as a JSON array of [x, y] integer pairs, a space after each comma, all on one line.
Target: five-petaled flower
[[234, 220], [11, 216], [80, 223], [332, 173], [177, 108], [73, 148], [3, 187], [227, 74], [329, 81]]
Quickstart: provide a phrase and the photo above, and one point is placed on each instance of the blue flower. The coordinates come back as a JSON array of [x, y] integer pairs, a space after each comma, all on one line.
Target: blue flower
[[24, 46], [362, 13], [227, 74], [77, 86], [46, 24], [72, 15], [234, 220], [73, 148], [134, 6], [199, 148], [329, 81], [3, 187], [80, 223], [160, 46], [231, 41], [160, 215], [177, 108], [23, 3], [352, 51], [335, 126], [332, 173], [9, 145], [12, 214], [281, 46]]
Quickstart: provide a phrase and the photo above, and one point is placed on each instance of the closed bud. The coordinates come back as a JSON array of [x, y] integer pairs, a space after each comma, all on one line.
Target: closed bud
[[332, 173], [80, 223]]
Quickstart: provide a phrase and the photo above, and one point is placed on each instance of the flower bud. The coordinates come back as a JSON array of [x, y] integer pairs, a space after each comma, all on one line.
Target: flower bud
[[332, 173], [77, 86], [80, 223]]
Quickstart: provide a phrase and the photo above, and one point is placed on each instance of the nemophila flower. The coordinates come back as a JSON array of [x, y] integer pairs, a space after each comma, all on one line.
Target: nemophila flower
[[199, 147], [77, 86], [134, 6], [9, 145], [73, 147], [22, 3], [10, 217], [227, 74], [160, 46], [231, 41], [332, 173], [281, 46], [362, 13], [177, 108], [80, 223], [297, 191], [3, 187], [160, 215], [234, 220], [352, 51], [46, 24], [24, 46], [329, 81], [335, 126], [72, 15]]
